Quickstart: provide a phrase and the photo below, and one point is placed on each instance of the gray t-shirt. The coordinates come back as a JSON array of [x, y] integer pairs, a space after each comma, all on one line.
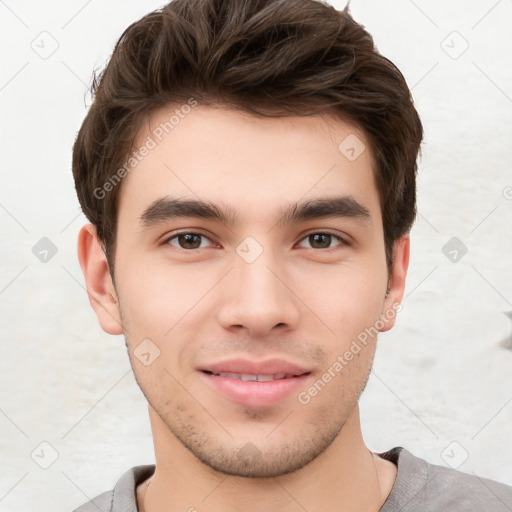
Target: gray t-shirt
[[419, 487]]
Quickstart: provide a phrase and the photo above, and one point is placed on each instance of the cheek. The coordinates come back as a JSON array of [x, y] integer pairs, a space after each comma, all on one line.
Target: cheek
[[346, 300], [157, 308], [159, 298]]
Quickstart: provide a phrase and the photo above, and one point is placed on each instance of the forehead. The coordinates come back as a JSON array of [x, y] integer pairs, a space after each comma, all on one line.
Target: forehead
[[248, 163]]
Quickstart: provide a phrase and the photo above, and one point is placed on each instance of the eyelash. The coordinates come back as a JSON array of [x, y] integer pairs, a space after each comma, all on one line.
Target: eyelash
[[342, 241]]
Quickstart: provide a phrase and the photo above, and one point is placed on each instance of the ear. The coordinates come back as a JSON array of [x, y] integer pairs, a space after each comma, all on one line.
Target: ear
[[396, 286], [100, 288]]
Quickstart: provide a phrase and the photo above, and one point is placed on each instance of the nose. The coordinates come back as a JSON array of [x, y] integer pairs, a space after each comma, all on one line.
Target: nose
[[258, 297]]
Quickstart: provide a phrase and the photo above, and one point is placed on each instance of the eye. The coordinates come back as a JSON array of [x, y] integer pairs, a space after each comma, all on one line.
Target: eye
[[322, 240], [190, 241], [186, 241]]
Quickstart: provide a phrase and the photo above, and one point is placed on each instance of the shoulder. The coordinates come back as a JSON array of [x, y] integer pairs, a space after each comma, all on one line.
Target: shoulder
[[424, 487], [123, 497], [102, 503]]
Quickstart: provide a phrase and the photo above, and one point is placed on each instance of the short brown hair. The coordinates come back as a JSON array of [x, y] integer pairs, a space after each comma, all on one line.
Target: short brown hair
[[266, 57]]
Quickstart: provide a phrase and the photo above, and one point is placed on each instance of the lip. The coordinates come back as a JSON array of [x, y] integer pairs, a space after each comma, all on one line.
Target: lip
[[255, 393], [265, 367]]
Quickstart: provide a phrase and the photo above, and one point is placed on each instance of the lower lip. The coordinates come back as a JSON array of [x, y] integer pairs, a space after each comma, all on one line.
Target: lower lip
[[253, 393]]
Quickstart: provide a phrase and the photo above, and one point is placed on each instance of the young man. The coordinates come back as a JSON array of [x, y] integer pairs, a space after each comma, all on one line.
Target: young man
[[248, 169]]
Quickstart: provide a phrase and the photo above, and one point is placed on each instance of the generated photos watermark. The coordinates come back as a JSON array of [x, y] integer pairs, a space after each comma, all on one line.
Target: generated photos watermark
[[305, 397], [157, 134]]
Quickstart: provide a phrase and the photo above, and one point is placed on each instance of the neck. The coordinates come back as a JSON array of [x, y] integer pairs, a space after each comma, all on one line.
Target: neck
[[345, 477]]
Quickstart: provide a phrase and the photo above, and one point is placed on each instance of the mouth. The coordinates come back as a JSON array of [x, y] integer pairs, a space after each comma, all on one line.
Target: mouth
[[255, 384], [248, 377]]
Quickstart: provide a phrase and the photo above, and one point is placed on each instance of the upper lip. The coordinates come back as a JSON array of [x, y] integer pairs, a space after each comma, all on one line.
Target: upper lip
[[246, 366]]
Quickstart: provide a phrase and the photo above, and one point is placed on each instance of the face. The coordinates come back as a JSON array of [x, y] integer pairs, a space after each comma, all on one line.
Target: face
[[250, 258]]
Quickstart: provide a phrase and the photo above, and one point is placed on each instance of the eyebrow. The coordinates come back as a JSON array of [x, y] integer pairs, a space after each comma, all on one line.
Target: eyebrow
[[168, 208]]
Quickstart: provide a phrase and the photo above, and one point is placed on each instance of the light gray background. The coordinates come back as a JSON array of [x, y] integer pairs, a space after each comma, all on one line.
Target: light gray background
[[441, 384]]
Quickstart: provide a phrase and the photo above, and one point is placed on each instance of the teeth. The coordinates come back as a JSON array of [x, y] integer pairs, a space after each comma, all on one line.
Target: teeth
[[246, 377], [230, 375], [265, 378]]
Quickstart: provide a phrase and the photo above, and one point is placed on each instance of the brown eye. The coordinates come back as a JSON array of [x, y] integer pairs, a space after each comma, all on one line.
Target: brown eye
[[187, 241], [322, 240]]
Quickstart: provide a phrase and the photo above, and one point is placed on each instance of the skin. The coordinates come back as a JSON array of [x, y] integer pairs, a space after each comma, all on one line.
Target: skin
[[297, 301]]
